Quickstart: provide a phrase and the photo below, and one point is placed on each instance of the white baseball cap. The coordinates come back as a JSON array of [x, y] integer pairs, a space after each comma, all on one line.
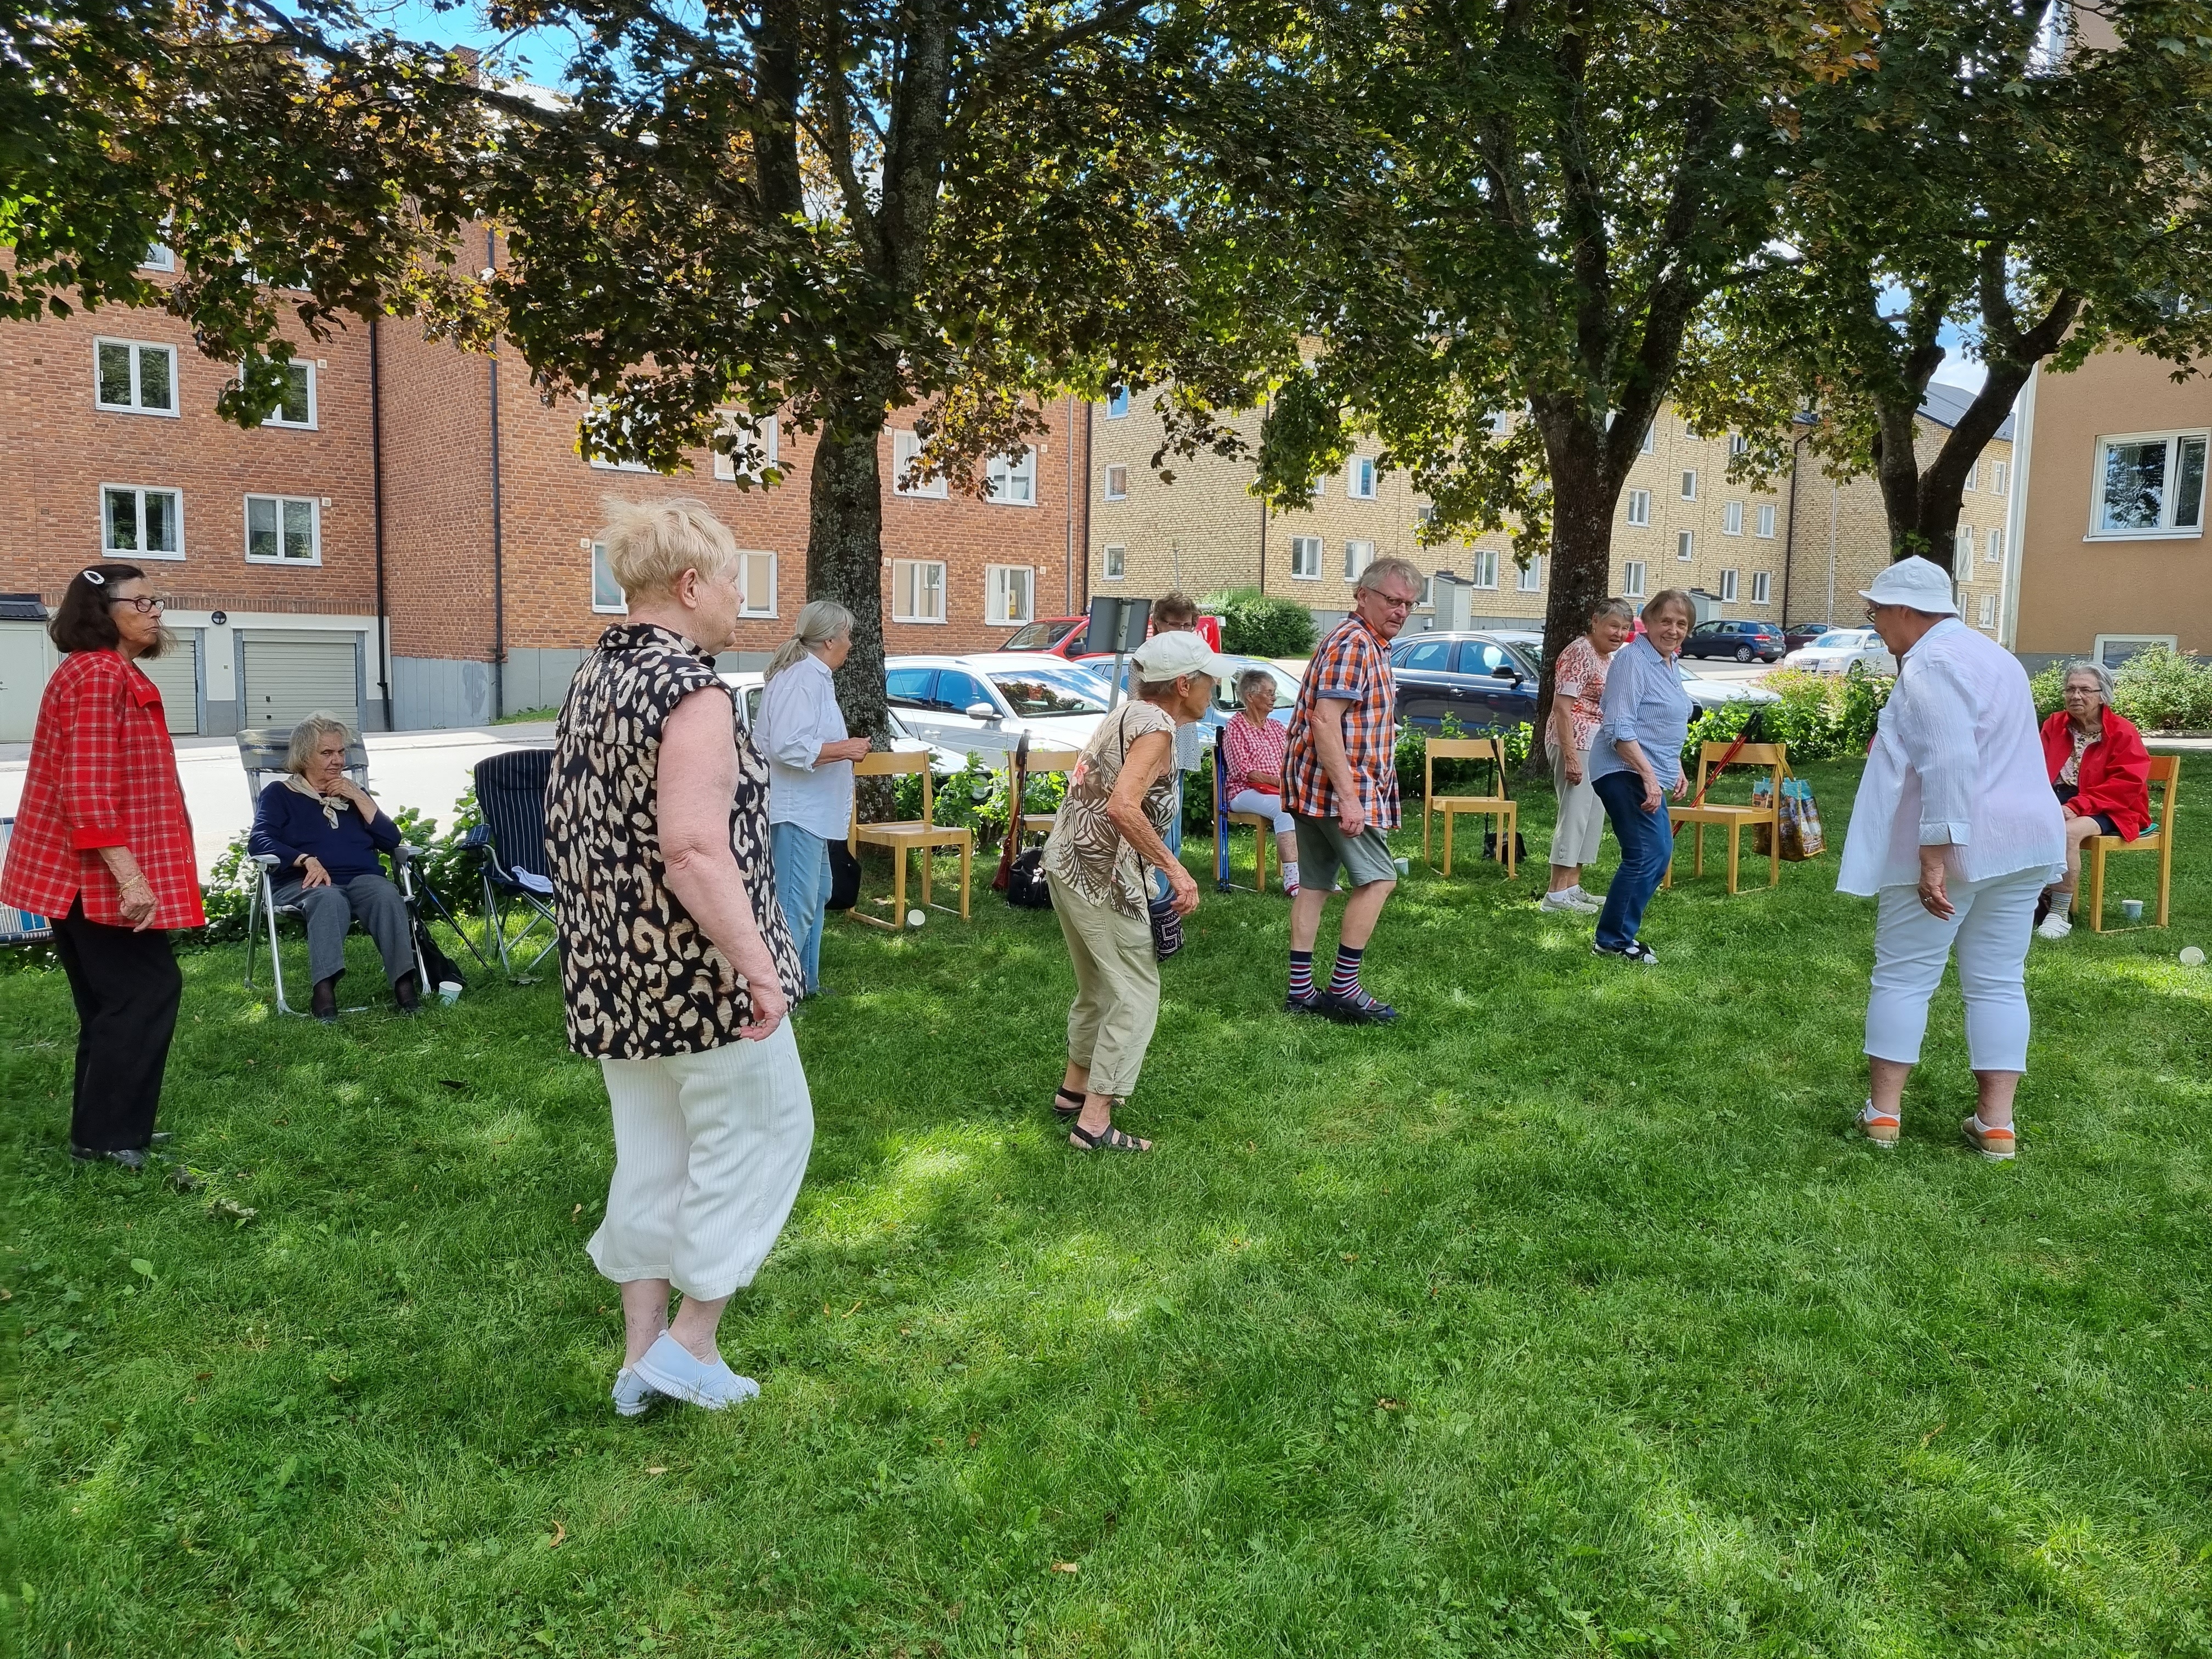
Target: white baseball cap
[[1915, 583], [1171, 655]]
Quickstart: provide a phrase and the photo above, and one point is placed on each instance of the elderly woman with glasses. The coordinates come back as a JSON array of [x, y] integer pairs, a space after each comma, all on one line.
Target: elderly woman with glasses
[[1254, 747], [329, 839], [103, 845], [2101, 772]]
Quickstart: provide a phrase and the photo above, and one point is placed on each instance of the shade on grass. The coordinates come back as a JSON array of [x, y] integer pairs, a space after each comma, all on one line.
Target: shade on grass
[[1565, 1317]]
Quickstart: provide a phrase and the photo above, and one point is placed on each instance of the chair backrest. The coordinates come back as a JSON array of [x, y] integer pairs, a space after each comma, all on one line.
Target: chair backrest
[[265, 753], [2166, 774], [1474, 749], [511, 798], [1772, 756], [893, 763]]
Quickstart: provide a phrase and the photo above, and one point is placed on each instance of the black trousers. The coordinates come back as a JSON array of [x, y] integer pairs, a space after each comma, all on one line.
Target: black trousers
[[126, 986]]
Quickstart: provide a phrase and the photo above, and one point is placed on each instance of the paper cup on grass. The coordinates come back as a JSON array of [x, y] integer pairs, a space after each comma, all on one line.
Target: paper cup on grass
[[914, 918], [2131, 909], [2191, 956]]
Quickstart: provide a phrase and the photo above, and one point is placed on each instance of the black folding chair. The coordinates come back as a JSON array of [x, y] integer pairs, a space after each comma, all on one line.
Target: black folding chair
[[263, 752], [517, 895]]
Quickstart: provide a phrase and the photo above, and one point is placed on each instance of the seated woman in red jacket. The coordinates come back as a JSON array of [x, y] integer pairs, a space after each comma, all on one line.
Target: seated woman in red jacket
[[2101, 771]]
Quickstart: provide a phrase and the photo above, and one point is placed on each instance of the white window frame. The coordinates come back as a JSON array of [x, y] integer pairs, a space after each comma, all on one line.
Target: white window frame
[[1115, 482], [1738, 444], [1728, 586], [314, 522], [1357, 556], [746, 567], [275, 416], [997, 611], [136, 553], [1987, 616], [1359, 479], [1762, 587], [906, 445], [1531, 579], [1117, 405], [900, 581], [160, 256], [1639, 508], [1689, 484], [1685, 546], [1004, 473], [1485, 566], [600, 464], [598, 551], [1732, 518], [175, 410], [1114, 561], [1305, 558], [2000, 477], [764, 430], [2171, 641], [2166, 530], [1973, 476], [1996, 554], [1766, 521], [1649, 445], [1962, 547], [1632, 579]]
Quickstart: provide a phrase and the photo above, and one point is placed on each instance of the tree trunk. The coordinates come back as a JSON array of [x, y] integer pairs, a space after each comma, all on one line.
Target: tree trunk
[[1582, 555], [844, 562]]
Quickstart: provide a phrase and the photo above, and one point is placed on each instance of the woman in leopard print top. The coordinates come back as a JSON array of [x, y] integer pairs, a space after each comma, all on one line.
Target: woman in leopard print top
[[677, 965]]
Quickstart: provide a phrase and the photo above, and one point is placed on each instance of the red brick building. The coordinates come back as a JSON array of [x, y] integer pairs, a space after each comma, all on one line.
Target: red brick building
[[416, 528]]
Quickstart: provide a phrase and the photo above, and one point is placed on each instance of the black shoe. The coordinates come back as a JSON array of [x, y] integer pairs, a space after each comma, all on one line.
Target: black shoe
[[127, 1157], [1362, 1010], [324, 1005], [1306, 1004], [404, 994]]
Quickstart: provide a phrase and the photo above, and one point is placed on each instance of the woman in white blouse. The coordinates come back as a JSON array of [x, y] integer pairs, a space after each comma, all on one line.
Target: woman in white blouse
[[801, 732], [1954, 833]]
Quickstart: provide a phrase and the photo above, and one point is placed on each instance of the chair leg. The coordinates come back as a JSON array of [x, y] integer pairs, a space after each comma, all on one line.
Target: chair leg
[[1448, 816], [967, 866], [1425, 858], [1735, 838], [898, 888], [2096, 889], [252, 923], [1697, 866], [1260, 834], [276, 961], [928, 877], [1774, 853], [2166, 865]]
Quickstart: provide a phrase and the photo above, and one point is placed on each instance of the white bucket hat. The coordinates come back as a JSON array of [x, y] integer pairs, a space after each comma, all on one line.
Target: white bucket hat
[[1171, 655], [1915, 583]]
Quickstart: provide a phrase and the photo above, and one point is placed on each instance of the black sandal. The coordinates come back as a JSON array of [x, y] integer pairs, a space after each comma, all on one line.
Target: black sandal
[[1059, 1099], [1109, 1137]]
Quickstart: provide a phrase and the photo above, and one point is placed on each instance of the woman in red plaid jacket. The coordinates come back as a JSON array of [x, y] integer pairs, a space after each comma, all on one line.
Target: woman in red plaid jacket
[[103, 846]]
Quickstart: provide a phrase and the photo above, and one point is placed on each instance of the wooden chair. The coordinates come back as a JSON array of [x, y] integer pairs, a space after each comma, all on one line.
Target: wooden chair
[[1041, 763], [2158, 837], [1263, 827], [1775, 758], [1499, 809], [910, 835]]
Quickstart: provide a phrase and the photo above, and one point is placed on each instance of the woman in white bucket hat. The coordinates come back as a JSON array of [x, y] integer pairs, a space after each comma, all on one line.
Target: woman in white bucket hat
[[1954, 833]]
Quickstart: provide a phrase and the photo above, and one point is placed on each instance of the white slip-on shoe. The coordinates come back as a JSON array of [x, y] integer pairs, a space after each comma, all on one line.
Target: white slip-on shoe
[[673, 1369], [2055, 926], [632, 1395], [1573, 899]]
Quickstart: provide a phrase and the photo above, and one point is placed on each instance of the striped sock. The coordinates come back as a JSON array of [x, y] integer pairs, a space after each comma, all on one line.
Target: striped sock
[[1302, 975], [1345, 981]]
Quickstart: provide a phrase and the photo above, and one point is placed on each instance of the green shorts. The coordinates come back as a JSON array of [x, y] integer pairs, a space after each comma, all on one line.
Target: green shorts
[[1324, 849]]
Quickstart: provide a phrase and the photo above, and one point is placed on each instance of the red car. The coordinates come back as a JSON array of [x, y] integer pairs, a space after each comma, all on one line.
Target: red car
[[1060, 635]]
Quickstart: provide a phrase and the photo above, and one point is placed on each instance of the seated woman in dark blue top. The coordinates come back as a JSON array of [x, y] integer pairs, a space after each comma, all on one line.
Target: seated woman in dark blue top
[[325, 833]]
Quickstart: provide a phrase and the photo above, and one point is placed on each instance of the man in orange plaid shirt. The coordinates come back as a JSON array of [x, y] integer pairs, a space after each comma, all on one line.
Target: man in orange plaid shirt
[[1340, 787]]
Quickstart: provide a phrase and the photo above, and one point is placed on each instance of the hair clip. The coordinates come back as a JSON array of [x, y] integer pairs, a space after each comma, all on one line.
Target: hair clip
[[94, 577]]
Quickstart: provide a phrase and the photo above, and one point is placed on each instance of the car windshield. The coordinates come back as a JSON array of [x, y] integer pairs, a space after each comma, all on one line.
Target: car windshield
[[1039, 636], [1841, 639], [1041, 693], [1224, 694]]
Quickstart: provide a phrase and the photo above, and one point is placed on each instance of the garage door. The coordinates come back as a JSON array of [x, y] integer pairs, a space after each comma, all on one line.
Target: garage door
[[176, 673], [285, 676], [23, 657]]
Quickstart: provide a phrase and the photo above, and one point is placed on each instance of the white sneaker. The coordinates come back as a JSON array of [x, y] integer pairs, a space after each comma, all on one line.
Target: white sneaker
[[671, 1368], [2055, 926], [1572, 899], [632, 1395]]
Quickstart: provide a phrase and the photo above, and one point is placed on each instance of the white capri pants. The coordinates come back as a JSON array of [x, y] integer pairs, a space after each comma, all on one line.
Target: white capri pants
[[709, 1148], [1582, 815], [1988, 929], [1266, 807]]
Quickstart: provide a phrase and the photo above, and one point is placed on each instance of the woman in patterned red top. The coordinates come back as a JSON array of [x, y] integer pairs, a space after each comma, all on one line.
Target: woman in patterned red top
[[102, 844], [1578, 705], [1254, 747]]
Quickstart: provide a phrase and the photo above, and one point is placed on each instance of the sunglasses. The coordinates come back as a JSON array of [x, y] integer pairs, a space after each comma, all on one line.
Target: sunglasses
[[145, 604]]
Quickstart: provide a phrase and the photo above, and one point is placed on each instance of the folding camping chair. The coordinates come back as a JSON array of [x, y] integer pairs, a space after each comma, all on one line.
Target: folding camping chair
[[263, 752], [517, 894], [1263, 828], [19, 927]]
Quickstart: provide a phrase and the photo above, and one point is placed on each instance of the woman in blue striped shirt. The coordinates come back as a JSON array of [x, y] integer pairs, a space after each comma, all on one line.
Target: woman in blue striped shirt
[[1636, 757]]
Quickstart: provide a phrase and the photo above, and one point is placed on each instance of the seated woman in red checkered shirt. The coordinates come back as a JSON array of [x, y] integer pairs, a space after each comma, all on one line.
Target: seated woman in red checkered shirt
[[103, 846], [1254, 747]]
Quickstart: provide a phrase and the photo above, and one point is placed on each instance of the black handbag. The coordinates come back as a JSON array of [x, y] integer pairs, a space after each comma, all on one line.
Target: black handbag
[[1026, 887], [844, 878]]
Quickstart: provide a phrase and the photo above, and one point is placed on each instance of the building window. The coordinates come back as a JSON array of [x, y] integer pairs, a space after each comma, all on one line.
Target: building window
[[1738, 444], [1532, 575], [753, 446], [2000, 477], [1013, 480], [1305, 558], [1962, 547], [1996, 555], [141, 523], [297, 407], [1117, 403], [1632, 579], [1009, 593], [756, 582], [1988, 613], [1685, 545], [906, 448], [158, 257], [283, 529], [1357, 556], [917, 591], [1117, 482], [1650, 443], [1689, 486], [2150, 484], [1767, 520], [1973, 475], [1639, 506], [2113, 649], [1359, 479], [1485, 566], [607, 597], [1727, 587], [1732, 518], [1761, 586], [1116, 558], [133, 377], [1424, 516]]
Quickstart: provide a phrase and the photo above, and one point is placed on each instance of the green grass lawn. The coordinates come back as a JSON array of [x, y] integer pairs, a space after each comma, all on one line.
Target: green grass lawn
[[1566, 1317]]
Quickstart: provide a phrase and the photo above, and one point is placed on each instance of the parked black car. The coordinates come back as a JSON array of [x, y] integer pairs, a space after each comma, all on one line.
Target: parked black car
[[1483, 682], [1804, 633], [1743, 641]]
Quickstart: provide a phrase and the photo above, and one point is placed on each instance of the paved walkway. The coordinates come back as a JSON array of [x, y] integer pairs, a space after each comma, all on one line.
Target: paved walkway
[[426, 770]]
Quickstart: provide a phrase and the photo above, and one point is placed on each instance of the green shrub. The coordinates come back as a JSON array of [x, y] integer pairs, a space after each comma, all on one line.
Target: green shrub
[[1256, 624], [2164, 690], [1820, 717], [2048, 688], [976, 798], [1451, 774]]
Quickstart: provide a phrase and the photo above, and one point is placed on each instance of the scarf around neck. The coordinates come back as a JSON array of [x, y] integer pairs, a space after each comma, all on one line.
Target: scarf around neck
[[331, 805]]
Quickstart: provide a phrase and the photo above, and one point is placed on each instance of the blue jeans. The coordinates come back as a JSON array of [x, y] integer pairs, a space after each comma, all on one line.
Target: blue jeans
[[1647, 845], [802, 887]]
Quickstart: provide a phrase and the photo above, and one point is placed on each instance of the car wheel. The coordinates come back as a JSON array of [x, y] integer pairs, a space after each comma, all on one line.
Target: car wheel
[[1743, 654]]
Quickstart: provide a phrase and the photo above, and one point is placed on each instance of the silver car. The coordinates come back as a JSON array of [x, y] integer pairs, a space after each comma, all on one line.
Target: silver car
[[985, 704]]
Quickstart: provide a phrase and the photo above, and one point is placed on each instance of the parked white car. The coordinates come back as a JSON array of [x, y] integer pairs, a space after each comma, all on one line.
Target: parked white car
[[1706, 693], [984, 704], [1840, 649], [943, 761]]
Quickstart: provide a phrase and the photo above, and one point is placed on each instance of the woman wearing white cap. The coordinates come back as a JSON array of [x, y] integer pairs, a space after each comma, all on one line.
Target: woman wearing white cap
[[1121, 802], [1954, 833]]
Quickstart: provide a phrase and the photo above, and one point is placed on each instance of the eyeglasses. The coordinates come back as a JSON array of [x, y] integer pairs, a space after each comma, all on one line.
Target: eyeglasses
[[145, 604], [1874, 612]]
